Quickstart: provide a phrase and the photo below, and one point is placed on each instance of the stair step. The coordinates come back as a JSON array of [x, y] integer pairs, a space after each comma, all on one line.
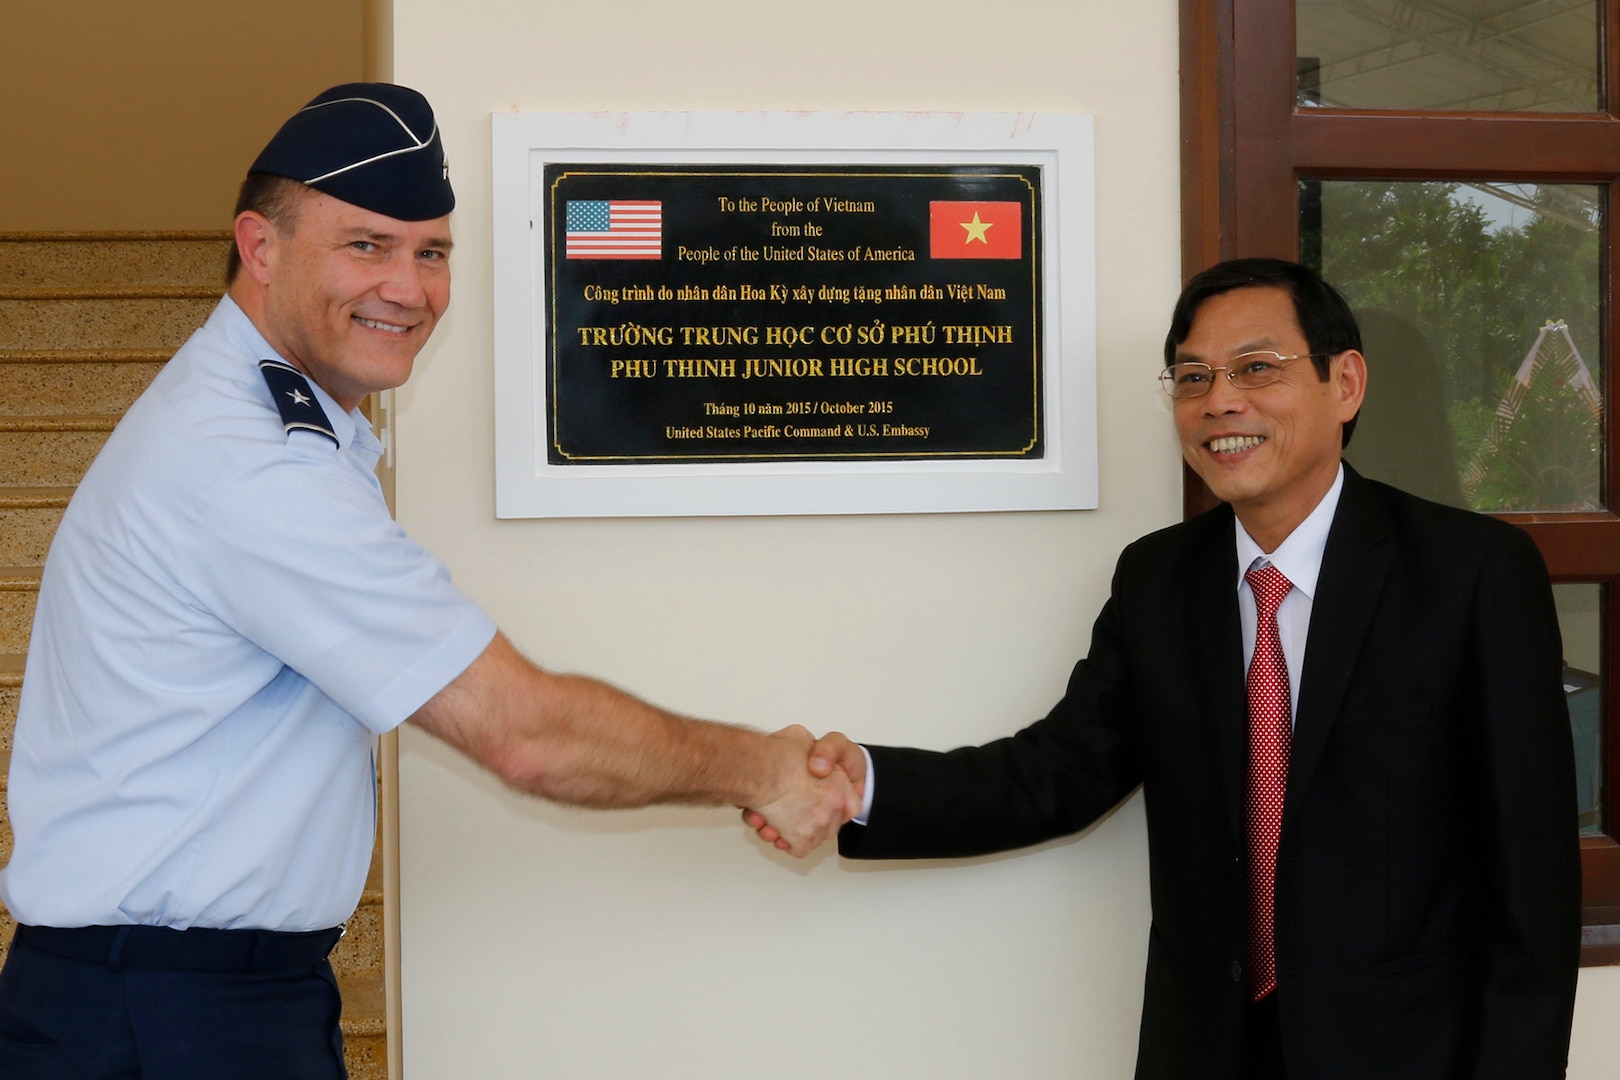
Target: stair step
[[47, 260], [85, 356], [34, 498], [366, 1058], [365, 1017], [364, 1004], [50, 451], [28, 520], [47, 389], [360, 953], [19, 589], [40, 293], [102, 323], [65, 422], [11, 673], [19, 578]]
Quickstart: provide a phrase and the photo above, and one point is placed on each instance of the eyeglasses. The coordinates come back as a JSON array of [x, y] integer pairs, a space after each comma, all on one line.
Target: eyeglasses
[[1250, 371]]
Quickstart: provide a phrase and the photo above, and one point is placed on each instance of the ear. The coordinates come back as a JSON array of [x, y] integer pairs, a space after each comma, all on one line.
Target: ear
[[1350, 383], [255, 239]]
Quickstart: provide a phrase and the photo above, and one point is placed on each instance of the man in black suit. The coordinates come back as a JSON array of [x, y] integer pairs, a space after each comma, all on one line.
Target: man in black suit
[[1363, 861]]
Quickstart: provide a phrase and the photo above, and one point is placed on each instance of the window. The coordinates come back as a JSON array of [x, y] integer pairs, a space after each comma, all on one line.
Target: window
[[1452, 166]]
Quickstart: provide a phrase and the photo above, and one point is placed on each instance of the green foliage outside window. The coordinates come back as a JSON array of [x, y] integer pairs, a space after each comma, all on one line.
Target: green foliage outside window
[[1481, 276]]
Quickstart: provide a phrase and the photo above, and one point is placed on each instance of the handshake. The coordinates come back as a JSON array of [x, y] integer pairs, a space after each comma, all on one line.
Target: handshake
[[819, 786]]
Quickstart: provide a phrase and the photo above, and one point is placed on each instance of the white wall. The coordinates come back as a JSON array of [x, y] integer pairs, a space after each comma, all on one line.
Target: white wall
[[665, 944]]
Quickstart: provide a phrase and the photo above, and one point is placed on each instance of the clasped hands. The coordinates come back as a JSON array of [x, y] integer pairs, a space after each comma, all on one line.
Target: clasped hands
[[821, 789]]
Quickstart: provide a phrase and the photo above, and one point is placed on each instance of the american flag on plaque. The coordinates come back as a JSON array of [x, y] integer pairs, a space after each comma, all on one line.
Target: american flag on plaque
[[615, 229]]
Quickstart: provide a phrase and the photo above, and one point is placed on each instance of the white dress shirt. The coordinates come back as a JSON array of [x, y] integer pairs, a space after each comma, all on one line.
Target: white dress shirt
[[1299, 558]]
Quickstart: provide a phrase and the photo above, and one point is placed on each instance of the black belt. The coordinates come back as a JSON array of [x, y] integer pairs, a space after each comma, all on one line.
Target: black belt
[[197, 949]]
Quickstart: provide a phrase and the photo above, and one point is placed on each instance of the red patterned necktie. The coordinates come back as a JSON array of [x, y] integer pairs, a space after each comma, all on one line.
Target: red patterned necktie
[[1270, 735]]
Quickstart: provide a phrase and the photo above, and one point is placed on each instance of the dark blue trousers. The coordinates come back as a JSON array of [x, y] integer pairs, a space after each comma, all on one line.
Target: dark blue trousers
[[79, 1019]]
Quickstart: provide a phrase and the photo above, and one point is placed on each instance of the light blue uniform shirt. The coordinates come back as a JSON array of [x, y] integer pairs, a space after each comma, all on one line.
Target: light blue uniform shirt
[[227, 617]]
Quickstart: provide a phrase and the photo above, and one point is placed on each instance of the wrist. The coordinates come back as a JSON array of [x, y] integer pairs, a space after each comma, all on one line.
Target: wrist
[[778, 765]]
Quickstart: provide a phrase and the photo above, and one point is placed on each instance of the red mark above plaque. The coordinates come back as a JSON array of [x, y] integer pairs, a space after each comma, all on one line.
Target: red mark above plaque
[[975, 230], [618, 229]]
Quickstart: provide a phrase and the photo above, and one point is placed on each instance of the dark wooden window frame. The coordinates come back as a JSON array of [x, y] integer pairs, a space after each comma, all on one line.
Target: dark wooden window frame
[[1244, 149]]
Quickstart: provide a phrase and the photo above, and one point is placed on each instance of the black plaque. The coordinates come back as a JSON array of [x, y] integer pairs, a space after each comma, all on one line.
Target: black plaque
[[700, 313]]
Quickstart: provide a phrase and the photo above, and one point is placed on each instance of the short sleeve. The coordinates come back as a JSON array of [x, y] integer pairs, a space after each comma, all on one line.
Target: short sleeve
[[300, 556]]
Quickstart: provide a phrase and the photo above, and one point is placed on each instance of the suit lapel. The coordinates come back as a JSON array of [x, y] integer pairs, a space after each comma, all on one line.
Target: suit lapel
[[1355, 564], [1217, 639]]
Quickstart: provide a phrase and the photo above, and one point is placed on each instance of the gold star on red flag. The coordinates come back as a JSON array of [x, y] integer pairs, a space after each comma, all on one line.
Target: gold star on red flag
[[976, 230]]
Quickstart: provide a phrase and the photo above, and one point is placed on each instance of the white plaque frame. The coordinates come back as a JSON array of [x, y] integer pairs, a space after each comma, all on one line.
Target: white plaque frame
[[1065, 478]]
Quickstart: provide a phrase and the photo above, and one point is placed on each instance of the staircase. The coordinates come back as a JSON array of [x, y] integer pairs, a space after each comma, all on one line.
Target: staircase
[[86, 321]]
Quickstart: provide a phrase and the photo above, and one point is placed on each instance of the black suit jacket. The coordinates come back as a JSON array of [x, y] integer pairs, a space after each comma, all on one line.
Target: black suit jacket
[[1428, 879]]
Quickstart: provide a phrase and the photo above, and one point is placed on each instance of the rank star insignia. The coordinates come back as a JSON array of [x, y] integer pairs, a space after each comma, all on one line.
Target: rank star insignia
[[295, 401]]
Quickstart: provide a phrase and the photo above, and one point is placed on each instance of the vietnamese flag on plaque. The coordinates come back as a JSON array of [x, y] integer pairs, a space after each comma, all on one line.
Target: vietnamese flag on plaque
[[975, 230]]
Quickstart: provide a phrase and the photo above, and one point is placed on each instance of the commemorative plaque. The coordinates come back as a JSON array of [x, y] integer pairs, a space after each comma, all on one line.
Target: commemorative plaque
[[758, 312], [702, 313]]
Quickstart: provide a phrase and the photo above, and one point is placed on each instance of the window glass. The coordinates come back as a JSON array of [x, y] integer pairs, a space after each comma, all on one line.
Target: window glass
[[1479, 55], [1480, 307], [1580, 618]]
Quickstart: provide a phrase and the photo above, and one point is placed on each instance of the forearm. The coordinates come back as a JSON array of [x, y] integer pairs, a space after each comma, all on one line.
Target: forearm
[[578, 740], [584, 742]]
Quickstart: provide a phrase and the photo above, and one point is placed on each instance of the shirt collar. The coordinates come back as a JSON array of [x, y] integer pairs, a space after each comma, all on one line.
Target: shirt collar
[[348, 426], [1299, 557]]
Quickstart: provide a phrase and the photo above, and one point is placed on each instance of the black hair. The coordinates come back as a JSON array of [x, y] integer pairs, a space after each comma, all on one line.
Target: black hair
[[1324, 317]]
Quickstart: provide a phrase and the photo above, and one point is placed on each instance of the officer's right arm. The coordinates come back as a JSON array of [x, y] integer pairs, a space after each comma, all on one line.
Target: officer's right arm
[[578, 740]]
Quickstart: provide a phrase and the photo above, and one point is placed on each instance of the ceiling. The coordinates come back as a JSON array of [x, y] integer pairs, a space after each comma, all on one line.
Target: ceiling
[[1488, 55]]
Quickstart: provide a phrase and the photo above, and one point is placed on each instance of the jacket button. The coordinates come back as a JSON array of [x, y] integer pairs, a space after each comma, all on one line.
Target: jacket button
[[1237, 971]]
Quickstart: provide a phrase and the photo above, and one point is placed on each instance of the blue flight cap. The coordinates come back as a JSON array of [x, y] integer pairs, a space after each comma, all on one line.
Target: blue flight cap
[[375, 145]]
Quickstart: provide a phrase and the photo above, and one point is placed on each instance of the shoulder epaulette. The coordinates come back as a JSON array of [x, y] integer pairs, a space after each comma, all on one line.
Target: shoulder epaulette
[[295, 400]]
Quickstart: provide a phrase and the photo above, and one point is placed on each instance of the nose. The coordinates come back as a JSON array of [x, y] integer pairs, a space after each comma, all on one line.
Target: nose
[[403, 284], [1223, 397]]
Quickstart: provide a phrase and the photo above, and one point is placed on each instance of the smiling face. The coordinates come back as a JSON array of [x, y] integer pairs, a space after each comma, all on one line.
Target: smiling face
[[346, 295], [1272, 452]]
